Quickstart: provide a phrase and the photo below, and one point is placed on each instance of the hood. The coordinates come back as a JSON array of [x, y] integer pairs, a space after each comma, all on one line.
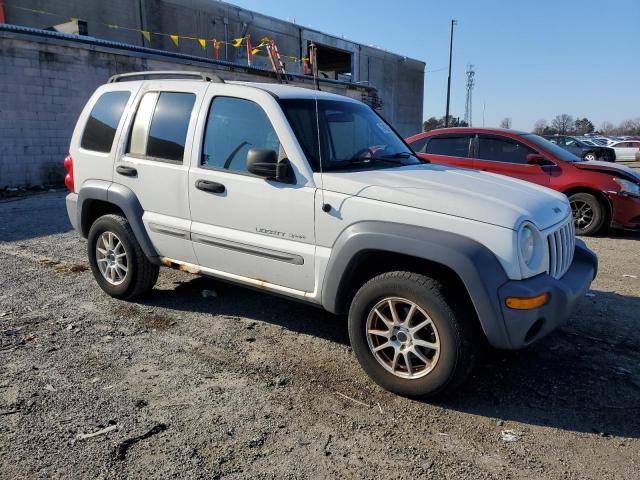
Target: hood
[[614, 169], [481, 196]]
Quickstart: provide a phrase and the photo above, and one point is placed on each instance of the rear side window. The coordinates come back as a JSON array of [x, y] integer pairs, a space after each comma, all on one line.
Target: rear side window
[[451, 146], [502, 150], [160, 127], [101, 126], [233, 127]]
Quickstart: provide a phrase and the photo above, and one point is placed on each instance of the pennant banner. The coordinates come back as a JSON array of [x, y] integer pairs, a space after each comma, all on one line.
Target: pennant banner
[[146, 34]]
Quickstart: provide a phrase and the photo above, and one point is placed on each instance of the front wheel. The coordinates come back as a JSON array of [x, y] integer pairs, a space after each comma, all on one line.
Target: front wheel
[[589, 214], [590, 156], [408, 338]]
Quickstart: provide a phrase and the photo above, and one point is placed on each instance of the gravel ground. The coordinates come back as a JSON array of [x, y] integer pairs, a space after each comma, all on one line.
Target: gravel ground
[[205, 380]]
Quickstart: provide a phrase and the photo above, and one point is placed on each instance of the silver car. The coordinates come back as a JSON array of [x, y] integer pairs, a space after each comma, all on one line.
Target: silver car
[[626, 150]]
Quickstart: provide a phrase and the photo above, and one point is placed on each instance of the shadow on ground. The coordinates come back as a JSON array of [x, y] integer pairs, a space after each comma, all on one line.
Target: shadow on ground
[[584, 377], [32, 216]]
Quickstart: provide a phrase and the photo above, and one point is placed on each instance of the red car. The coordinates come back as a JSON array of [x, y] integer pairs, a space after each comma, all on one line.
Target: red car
[[601, 193]]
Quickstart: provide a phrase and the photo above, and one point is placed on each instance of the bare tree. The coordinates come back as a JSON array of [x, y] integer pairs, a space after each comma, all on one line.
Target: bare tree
[[562, 124], [506, 123], [629, 127], [607, 128], [540, 127]]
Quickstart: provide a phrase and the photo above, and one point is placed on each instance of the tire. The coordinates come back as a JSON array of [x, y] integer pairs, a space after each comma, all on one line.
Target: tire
[[589, 213], [121, 276], [453, 330], [590, 156]]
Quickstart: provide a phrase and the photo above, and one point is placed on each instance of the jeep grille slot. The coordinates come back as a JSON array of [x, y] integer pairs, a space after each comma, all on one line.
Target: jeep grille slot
[[561, 244]]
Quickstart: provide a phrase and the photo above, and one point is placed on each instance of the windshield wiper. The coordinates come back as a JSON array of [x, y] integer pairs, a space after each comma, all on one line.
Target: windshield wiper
[[392, 156]]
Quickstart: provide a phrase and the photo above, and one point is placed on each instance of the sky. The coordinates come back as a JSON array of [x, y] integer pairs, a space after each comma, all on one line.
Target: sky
[[533, 60]]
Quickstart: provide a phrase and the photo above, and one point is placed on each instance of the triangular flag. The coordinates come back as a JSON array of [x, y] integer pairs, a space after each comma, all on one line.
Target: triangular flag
[[237, 42], [175, 39], [202, 42], [146, 35], [255, 50], [111, 25]]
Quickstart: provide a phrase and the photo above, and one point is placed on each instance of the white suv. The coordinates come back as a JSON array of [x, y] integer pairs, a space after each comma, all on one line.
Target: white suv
[[314, 196]]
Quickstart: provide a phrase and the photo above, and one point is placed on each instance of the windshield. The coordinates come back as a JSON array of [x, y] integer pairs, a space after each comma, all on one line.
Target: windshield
[[558, 152], [352, 136]]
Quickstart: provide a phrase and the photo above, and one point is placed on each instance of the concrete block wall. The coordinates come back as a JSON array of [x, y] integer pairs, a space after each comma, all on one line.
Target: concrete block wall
[[45, 83], [399, 80]]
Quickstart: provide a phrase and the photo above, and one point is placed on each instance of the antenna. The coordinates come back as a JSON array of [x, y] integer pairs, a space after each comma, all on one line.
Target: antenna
[[468, 108], [314, 68]]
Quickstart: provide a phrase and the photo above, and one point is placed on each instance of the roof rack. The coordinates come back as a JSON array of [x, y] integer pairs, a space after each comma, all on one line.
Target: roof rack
[[167, 73]]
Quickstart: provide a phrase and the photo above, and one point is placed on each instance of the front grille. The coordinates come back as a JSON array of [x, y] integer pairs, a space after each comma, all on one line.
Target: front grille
[[561, 244]]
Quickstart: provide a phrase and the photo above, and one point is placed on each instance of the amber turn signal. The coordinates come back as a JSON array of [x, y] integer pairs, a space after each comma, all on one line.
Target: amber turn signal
[[527, 303]]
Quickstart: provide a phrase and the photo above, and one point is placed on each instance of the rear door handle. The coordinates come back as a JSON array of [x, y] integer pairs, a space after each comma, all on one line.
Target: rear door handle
[[127, 171], [207, 186]]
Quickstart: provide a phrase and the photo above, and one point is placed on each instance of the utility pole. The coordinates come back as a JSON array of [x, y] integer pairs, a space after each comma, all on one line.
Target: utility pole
[[446, 116], [468, 108]]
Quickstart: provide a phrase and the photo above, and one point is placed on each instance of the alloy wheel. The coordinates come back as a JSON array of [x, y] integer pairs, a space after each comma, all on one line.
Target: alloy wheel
[[590, 157], [582, 214], [403, 338], [111, 257]]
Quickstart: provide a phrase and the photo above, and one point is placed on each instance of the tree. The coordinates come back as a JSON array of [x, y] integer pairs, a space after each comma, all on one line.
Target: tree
[[583, 125], [505, 123], [433, 123], [562, 124], [629, 127], [540, 127], [430, 124], [607, 128]]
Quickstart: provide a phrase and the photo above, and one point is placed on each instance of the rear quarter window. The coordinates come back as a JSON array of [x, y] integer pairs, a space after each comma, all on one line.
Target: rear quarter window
[[103, 121]]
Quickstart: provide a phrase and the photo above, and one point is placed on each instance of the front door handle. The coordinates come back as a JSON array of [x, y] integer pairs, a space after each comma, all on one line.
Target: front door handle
[[127, 171], [207, 186]]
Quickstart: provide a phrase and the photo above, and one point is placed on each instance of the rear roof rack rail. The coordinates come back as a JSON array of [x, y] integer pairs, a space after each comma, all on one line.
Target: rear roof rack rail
[[207, 77]]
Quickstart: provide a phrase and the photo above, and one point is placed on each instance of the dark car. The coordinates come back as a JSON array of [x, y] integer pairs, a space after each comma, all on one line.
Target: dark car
[[583, 150], [601, 194]]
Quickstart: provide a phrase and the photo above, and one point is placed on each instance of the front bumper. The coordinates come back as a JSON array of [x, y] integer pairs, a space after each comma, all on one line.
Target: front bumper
[[626, 211], [526, 326]]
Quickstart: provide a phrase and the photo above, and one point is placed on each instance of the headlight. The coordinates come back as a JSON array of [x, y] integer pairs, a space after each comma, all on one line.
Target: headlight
[[527, 242], [628, 187]]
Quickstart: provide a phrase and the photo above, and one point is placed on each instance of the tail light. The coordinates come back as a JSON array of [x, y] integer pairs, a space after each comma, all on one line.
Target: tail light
[[68, 178]]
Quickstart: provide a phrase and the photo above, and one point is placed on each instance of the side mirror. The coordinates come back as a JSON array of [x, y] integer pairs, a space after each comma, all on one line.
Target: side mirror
[[263, 162], [537, 159]]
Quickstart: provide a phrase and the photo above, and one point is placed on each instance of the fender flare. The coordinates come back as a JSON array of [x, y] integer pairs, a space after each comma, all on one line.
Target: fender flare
[[477, 267], [122, 197]]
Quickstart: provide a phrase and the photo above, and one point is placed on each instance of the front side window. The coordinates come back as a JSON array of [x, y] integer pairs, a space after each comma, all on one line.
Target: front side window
[[451, 146], [345, 135], [103, 121], [160, 127], [234, 126], [548, 145], [419, 144], [502, 150]]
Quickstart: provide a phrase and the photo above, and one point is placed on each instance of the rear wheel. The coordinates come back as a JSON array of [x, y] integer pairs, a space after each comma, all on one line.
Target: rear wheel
[[588, 213], [408, 338], [117, 261]]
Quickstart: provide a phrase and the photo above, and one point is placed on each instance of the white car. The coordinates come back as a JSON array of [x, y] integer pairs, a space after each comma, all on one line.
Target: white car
[[626, 150], [315, 197]]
